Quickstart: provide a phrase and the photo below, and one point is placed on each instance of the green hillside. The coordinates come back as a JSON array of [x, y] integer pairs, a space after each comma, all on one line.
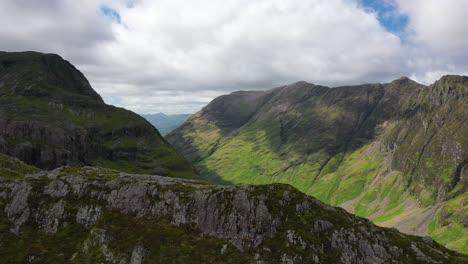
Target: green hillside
[[395, 153]]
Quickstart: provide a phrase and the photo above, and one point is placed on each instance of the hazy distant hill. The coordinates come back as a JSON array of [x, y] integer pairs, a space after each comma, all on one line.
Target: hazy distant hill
[[166, 123], [396, 153], [50, 116]]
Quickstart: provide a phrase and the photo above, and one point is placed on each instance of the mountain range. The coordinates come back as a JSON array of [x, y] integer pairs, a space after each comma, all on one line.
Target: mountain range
[[85, 182], [395, 153], [166, 123]]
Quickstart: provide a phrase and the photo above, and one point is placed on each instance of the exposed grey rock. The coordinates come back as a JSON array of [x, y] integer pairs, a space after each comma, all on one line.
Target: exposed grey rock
[[322, 225], [17, 209], [33, 259], [51, 220], [244, 217], [224, 249], [57, 189], [97, 237], [88, 215], [359, 247], [138, 255], [421, 256], [428, 240], [296, 240]]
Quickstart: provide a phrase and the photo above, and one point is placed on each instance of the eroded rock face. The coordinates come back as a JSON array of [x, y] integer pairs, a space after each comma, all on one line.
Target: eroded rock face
[[266, 224], [88, 215]]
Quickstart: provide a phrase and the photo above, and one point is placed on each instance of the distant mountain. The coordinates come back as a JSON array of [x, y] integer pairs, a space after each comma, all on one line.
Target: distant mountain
[[166, 123], [50, 116], [96, 215], [396, 153]]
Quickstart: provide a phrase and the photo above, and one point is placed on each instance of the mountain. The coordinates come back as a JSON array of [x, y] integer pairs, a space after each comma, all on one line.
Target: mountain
[[96, 215], [166, 123], [395, 153], [50, 116]]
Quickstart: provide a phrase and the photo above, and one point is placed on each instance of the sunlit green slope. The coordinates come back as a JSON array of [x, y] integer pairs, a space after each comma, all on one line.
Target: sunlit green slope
[[395, 153]]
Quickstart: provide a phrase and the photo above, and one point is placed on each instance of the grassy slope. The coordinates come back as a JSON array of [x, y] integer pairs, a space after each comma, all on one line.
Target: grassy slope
[[11, 168], [369, 180]]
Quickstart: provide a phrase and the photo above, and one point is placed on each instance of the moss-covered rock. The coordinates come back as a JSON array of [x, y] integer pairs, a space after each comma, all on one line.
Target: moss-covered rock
[[75, 215]]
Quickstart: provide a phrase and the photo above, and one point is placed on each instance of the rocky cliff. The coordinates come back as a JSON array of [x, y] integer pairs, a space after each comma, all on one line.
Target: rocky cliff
[[50, 116], [395, 153], [92, 215]]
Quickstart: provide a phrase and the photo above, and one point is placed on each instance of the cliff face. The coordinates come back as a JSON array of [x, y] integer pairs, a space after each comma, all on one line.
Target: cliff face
[[90, 215], [50, 116], [395, 153]]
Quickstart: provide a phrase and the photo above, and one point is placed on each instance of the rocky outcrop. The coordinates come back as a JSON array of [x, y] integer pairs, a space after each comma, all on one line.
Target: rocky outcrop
[[264, 224]]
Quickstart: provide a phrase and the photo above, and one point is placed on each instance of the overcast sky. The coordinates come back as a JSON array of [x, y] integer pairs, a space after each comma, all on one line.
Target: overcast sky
[[175, 56]]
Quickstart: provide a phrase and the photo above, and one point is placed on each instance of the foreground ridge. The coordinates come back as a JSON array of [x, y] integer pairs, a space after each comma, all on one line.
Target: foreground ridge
[[83, 215]]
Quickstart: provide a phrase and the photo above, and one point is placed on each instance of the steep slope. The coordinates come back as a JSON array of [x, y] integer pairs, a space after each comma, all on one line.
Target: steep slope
[[50, 116], [166, 123], [395, 153], [92, 215]]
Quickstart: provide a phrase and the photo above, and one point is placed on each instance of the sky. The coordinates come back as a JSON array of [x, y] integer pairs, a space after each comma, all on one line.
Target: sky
[[175, 56]]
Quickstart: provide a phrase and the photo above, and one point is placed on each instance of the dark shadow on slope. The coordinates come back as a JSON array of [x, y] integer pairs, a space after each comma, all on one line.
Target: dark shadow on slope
[[211, 176]]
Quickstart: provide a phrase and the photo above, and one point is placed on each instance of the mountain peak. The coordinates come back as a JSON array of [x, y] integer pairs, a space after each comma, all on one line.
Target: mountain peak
[[36, 74], [453, 79], [300, 84], [403, 80]]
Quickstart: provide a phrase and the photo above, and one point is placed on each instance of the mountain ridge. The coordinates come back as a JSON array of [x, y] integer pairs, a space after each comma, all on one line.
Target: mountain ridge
[[83, 215], [394, 147]]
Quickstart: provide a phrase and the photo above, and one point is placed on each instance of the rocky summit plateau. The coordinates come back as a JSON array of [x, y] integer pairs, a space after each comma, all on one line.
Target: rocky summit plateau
[[86, 182]]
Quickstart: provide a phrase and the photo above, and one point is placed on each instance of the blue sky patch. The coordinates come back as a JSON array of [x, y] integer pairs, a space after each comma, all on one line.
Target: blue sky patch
[[388, 15], [113, 100], [131, 4], [111, 13]]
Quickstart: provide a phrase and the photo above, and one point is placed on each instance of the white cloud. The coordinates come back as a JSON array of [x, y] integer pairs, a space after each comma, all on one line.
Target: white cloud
[[438, 33], [440, 25], [175, 56], [230, 45]]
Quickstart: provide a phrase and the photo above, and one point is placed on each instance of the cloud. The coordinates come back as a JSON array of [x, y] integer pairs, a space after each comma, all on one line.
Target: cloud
[[231, 45], [439, 37], [440, 25], [175, 56], [56, 26]]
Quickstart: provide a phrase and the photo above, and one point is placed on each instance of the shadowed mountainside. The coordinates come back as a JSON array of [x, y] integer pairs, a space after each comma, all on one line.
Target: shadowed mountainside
[[395, 153], [50, 117]]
